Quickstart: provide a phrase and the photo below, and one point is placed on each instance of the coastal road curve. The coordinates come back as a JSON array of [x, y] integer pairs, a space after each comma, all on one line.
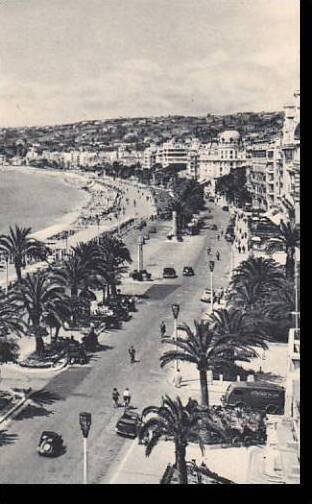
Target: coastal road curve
[[88, 388]]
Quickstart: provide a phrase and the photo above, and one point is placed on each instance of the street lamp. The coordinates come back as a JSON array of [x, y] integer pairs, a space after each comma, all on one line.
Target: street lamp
[[85, 424], [97, 218], [6, 274], [211, 266], [175, 312]]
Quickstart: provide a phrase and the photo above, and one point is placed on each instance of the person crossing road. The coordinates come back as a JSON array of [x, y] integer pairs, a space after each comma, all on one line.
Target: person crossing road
[[126, 397]]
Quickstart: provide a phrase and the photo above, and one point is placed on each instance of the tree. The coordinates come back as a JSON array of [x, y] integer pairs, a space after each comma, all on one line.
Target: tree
[[282, 302], [37, 295], [245, 332], [114, 255], [18, 244], [288, 238], [10, 322], [171, 420], [260, 274], [202, 348]]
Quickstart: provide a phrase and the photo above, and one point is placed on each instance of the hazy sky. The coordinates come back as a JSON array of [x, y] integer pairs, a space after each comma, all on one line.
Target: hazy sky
[[70, 60]]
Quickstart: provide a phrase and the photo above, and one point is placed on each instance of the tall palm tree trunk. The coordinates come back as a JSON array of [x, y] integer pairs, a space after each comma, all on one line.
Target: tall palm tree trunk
[[290, 263], [204, 387], [18, 270], [180, 453]]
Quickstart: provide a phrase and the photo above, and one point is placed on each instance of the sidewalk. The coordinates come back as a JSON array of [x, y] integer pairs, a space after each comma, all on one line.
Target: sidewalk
[[136, 468]]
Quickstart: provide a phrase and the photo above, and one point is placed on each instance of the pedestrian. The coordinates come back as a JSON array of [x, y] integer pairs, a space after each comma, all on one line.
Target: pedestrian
[[162, 329], [178, 379], [221, 232], [132, 354], [126, 397], [239, 249], [244, 249], [208, 250], [115, 396], [218, 255]]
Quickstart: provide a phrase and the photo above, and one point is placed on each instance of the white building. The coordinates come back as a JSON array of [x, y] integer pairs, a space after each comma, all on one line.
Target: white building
[[220, 157]]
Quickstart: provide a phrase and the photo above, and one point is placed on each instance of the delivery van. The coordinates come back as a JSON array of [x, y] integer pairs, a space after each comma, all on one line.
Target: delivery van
[[266, 397]]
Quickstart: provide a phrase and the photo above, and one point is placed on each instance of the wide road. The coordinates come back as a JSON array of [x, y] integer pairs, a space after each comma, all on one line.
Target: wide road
[[88, 388]]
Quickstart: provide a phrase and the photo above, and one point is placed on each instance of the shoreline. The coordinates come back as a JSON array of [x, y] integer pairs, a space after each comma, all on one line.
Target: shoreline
[[69, 220]]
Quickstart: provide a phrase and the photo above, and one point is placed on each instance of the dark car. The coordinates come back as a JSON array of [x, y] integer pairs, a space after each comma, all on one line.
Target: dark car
[[188, 271], [128, 424], [169, 273], [50, 444], [140, 275], [266, 397], [225, 208]]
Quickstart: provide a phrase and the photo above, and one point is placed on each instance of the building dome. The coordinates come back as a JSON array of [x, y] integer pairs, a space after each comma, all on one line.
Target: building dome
[[229, 136]]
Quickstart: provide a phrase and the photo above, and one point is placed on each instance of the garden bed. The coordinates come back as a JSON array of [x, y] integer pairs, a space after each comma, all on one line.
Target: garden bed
[[52, 354]]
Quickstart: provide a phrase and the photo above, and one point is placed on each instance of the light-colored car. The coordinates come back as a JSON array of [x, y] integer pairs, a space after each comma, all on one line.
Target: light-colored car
[[206, 296]]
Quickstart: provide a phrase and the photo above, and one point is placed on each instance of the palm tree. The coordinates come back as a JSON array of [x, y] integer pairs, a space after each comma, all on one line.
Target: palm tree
[[261, 274], [202, 348], [75, 272], [115, 255], [171, 420], [282, 302], [10, 316], [38, 294], [18, 244], [239, 327], [288, 238], [10, 322]]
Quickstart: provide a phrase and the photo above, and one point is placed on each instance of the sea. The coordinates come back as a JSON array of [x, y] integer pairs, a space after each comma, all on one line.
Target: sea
[[36, 199]]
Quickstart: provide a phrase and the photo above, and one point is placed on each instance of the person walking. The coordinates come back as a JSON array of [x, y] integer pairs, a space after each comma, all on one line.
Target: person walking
[[209, 250], [115, 396], [178, 379], [218, 255], [218, 237], [132, 354], [126, 397], [162, 329]]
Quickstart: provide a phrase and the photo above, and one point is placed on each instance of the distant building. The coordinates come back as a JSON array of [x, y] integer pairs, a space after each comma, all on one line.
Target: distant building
[[291, 157], [221, 157]]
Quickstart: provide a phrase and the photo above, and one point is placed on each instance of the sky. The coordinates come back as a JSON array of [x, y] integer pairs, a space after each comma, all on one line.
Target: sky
[[63, 61]]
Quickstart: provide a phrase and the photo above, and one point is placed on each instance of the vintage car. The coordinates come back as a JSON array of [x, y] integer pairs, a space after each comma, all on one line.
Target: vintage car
[[128, 424], [50, 444], [188, 271], [169, 273]]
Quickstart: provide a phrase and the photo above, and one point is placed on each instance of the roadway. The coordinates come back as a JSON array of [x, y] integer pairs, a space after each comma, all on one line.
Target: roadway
[[89, 388]]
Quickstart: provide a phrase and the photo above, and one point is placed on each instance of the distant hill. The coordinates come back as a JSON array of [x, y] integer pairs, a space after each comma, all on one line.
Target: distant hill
[[139, 131]]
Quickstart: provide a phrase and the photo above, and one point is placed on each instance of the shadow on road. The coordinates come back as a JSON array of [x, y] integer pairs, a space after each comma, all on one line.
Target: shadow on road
[[7, 439], [37, 407]]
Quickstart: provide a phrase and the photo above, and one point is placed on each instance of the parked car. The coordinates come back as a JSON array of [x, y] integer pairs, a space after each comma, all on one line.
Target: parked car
[[206, 296], [50, 444], [169, 273], [140, 275], [225, 208], [188, 271], [211, 199], [266, 397], [128, 424], [228, 237], [214, 227], [152, 229]]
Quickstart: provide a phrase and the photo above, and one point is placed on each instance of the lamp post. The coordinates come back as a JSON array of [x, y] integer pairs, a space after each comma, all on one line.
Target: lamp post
[[6, 274], [211, 266], [296, 298], [97, 218], [175, 312], [85, 424]]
